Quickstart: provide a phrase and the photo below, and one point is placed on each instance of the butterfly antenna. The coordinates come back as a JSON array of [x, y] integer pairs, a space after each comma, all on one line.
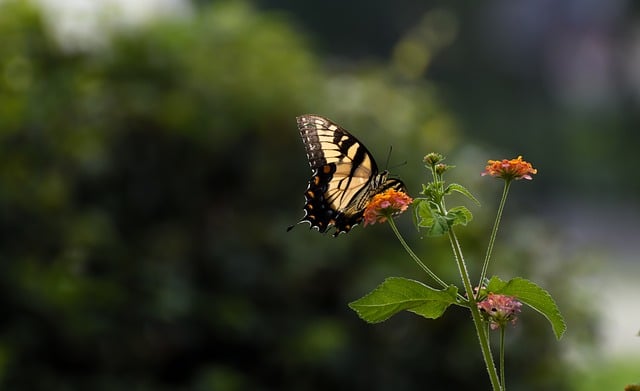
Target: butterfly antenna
[[387, 168], [386, 165]]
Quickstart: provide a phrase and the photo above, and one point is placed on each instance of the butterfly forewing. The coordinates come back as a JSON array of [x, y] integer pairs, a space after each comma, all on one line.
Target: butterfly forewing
[[326, 142], [352, 166]]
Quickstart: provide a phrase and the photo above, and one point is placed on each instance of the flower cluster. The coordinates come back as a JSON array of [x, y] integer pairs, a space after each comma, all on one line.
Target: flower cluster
[[385, 204], [510, 169], [432, 159], [499, 309]]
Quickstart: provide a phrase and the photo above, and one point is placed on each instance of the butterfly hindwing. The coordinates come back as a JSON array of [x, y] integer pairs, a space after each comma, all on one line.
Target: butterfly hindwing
[[344, 175]]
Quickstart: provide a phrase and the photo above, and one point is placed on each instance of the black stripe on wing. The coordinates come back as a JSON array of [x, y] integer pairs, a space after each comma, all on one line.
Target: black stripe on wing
[[327, 142]]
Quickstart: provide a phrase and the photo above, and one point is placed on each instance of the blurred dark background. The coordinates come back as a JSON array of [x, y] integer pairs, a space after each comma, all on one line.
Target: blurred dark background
[[148, 171]]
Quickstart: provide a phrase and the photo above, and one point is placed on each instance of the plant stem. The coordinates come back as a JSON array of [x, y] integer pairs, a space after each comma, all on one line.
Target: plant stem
[[494, 233], [475, 312], [413, 255], [502, 328]]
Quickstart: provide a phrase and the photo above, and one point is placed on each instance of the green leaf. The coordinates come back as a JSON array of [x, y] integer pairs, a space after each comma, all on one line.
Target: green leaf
[[532, 295], [429, 217], [460, 214], [462, 190], [397, 294], [423, 214], [432, 190], [439, 226]]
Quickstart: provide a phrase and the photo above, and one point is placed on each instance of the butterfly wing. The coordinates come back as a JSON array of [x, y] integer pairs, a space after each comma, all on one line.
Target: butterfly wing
[[345, 175]]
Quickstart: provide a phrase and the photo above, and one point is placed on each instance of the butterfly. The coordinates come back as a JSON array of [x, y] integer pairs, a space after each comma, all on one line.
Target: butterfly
[[344, 176]]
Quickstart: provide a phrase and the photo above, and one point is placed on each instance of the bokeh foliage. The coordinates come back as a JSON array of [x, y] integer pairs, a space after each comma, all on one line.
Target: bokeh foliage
[[144, 193]]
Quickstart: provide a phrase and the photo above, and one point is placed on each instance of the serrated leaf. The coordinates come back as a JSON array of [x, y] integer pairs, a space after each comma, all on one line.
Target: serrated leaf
[[439, 225], [461, 215], [532, 295], [428, 216], [423, 213], [397, 294], [432, 190], [462, 190]]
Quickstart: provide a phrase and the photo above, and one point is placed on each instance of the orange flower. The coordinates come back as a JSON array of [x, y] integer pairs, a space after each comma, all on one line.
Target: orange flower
[[510, 169], [385, 204]]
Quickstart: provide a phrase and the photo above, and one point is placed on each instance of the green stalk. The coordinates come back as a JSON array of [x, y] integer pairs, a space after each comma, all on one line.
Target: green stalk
[[502, 328], [475, 312], [494, 233], [483, 335], [413, 255]]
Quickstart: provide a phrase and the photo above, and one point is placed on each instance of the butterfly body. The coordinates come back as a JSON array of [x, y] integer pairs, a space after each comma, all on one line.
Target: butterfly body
[[344, 176]]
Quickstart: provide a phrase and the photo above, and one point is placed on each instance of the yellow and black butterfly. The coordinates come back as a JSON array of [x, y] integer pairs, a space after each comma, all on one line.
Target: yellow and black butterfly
[[344, 179]]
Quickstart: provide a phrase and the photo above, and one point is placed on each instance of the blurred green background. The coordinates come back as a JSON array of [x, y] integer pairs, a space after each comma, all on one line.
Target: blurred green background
[[150, 163]]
